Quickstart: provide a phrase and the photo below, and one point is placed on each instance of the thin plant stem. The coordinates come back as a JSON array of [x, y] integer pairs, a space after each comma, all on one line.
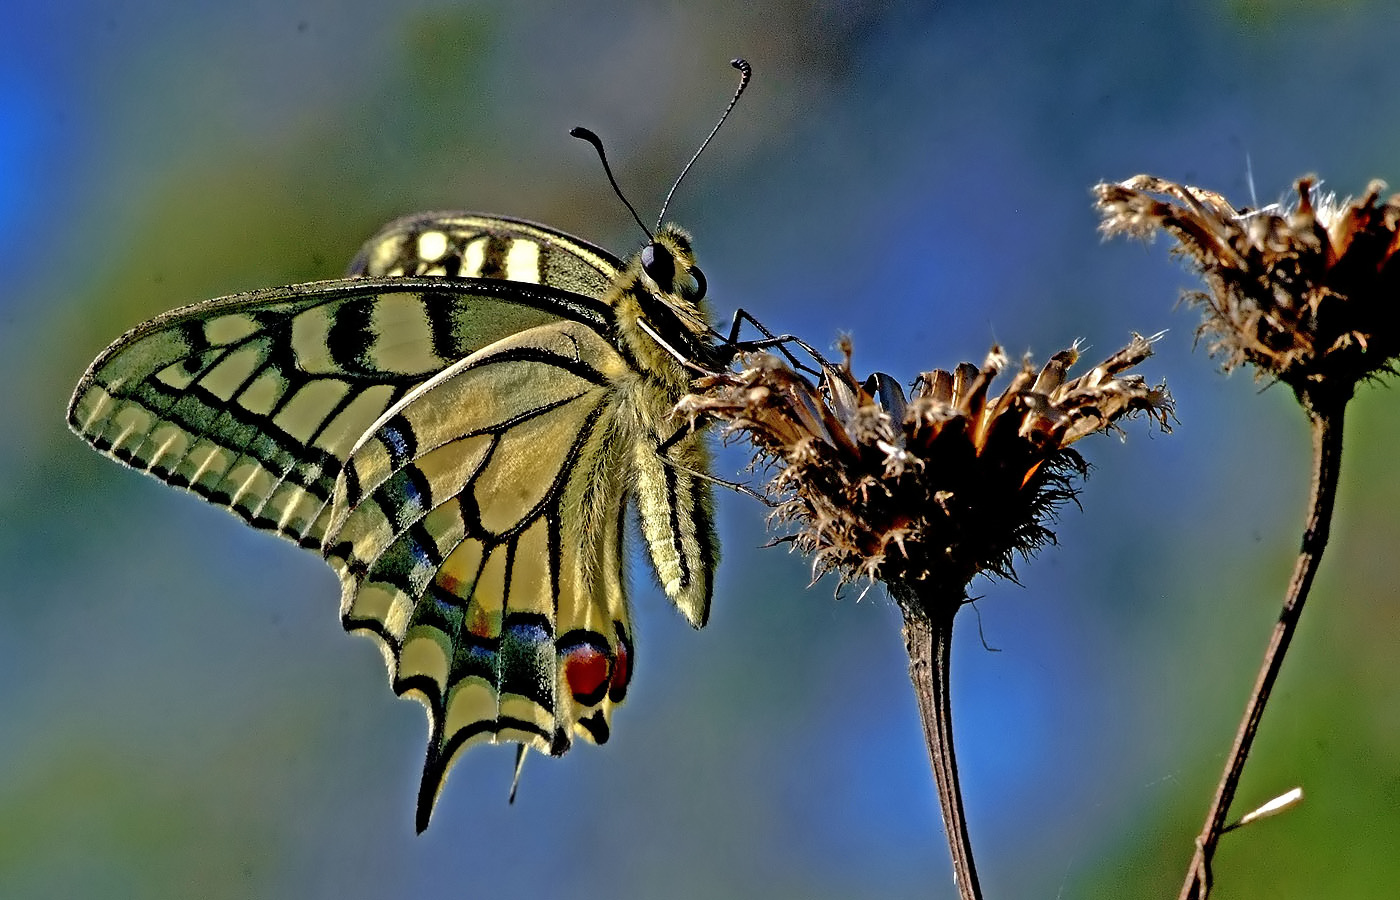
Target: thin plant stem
[[929, 642], [1326, 419]]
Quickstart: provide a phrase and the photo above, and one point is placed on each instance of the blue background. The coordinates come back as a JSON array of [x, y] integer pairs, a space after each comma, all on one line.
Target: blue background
[[180, 713]]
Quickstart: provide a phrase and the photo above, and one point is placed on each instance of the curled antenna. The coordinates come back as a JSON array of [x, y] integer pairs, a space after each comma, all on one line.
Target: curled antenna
[[584, 134], [745, 72]]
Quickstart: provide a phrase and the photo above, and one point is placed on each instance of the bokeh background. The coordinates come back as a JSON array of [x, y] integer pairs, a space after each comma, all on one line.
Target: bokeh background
[[180, 713]]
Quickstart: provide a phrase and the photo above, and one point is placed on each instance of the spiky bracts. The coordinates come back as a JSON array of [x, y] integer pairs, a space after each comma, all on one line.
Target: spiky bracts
[[1309, 294], [928, 493]]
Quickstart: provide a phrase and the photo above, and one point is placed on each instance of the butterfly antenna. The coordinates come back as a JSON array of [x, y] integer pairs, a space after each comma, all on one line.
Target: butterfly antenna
[[584, 134], [745, 73]]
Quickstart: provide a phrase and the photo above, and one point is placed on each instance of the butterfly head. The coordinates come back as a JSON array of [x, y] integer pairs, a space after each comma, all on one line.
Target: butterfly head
[[669, 266], [660, 305]]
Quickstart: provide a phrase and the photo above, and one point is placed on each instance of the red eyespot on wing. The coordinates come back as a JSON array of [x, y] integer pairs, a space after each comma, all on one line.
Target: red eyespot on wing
[[586, 671]]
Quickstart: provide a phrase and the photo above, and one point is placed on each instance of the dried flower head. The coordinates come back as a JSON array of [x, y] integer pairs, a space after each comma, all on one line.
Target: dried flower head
[[925, 494], [1308, 294]]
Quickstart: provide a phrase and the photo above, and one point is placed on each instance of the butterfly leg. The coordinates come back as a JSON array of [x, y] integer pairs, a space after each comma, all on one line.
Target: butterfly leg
[[768, 340], [679, 466]]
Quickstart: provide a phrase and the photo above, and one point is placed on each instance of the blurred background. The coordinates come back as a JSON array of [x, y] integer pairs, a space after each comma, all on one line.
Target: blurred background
[[182, 714]]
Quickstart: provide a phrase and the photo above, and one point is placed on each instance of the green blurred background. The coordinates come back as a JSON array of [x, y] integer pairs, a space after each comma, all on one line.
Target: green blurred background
[[182, 715]]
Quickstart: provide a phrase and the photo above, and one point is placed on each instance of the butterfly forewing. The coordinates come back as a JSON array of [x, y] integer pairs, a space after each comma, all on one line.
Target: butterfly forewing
[[459, 428], [472, 246], [255, 401]]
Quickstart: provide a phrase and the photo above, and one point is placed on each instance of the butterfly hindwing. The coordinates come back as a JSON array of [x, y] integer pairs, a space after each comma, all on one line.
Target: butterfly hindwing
[[478, 535]]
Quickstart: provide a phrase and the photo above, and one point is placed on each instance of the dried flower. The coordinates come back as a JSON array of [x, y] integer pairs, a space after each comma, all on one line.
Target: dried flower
[[1308, 294], [925, 494]]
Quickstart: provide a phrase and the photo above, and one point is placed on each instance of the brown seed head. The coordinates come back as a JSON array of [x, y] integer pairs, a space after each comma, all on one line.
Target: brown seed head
[[930, 492], [1309, 295]]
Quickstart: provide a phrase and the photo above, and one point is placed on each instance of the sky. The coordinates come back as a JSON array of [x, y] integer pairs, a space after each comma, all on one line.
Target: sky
[[183, 716]]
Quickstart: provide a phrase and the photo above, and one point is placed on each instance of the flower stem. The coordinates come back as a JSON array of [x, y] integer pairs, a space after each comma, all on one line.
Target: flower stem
[[929, 642], [1326, 420]]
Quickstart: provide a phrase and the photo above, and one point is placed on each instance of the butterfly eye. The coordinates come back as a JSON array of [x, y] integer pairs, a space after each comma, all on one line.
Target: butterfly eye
[[659, 265]]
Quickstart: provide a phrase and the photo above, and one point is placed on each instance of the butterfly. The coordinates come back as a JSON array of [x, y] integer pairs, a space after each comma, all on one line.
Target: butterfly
[[459, 427]]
